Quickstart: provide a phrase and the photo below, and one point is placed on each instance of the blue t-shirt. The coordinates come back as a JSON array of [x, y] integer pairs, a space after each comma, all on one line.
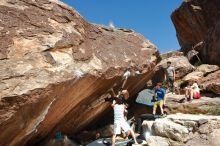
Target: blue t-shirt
[[160, 93]]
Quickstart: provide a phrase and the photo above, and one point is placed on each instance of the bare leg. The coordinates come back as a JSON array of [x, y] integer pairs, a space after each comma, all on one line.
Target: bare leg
[[65, 141], [128, 133], [169, 86], [161, 107], [172, 86], [133, 136], [187, 93], [154, 108], [191, 94], [113, 139]]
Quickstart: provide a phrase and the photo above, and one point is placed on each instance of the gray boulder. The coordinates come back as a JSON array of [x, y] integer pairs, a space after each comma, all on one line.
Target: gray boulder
[[169, 129]]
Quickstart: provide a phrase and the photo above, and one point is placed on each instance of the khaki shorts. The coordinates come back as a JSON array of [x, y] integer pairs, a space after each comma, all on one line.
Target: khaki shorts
[[158, 103]]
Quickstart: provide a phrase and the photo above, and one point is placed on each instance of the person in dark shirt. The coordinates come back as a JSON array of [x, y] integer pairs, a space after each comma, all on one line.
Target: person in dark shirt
[[159, 98]]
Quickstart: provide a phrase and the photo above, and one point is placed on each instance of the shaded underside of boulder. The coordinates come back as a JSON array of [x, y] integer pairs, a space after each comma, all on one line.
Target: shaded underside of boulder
[[55, 65], [197, 27]]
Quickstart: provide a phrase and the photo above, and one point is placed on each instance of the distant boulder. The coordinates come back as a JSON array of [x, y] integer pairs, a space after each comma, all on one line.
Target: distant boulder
[[197, 24], [179, 62], [212, 82]]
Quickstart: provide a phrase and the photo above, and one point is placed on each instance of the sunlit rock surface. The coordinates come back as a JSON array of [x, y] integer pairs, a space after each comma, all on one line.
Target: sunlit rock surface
[[183, 129], [197, 24], [55, 65]]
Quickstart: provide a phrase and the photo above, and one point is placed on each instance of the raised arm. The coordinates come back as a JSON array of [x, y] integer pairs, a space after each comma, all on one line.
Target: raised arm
[[113, 92], [113, 103]]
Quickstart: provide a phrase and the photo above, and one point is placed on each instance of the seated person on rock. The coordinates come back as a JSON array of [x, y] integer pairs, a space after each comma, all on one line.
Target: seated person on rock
[[119, 121], [159, 98], [192, 90]]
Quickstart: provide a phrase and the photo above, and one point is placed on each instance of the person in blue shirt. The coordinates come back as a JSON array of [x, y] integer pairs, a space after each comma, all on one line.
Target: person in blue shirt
[[159, 98]]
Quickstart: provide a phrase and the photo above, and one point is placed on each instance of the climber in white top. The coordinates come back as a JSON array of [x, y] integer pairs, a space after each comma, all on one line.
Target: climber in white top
[[119, 121], [192, 91]]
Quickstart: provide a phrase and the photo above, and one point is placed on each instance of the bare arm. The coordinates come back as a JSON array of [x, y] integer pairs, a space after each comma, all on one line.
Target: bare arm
[[125, 81], [165, 74], [125, 109], [113, 92], [113, 103]]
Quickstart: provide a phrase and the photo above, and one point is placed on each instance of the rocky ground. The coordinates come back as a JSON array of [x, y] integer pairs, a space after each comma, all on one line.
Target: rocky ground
[[56, 70], [187, 124], [183, 130], [205, 105]]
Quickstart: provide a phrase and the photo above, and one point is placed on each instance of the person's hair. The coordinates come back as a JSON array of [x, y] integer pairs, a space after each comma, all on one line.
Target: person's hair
[[168, 62], [193, 81], [159, 84], [119, 101], [121, 96]]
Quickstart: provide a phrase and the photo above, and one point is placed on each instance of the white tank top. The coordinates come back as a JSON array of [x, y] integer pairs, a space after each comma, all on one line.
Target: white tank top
[[119, 112], [196, 87]]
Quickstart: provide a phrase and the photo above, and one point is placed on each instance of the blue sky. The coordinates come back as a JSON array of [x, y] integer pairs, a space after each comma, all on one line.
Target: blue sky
[[151, 18]]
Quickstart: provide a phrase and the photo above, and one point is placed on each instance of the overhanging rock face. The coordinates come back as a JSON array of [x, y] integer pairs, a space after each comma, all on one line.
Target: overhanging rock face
[[197, 24], [55, 65]]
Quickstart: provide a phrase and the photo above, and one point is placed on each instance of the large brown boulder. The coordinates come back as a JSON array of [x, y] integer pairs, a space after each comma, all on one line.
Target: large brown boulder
[[179, 62], [200, 72], [212, 82], [56, 68], [196, 75], [206, 68], [197, 24], [207, 135], [169, 129]]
